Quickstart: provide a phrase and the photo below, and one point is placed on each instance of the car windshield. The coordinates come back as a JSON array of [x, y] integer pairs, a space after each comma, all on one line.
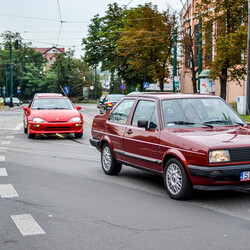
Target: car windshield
[[114, 98], [198, 112], [52, 103]]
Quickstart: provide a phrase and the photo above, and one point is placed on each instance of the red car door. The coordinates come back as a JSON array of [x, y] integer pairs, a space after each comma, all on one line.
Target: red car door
[[141, 145], [116, 125]]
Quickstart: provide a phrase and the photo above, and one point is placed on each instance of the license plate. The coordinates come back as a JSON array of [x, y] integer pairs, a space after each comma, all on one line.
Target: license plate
[[245, 176]]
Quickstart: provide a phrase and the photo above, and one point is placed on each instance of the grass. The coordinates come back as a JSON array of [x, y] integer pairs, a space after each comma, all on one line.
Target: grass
[[245, 118]]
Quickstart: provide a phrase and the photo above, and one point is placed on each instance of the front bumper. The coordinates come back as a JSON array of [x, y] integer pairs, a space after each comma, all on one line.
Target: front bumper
[[218, 171], [51, 128], [95, 143]]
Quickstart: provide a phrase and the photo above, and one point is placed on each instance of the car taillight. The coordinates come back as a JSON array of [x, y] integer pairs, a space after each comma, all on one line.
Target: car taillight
[[109, 104]]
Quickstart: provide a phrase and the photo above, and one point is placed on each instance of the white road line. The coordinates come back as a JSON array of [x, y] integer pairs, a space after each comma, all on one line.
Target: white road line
[[19, 126], [7, 191], [3, 172], [27, 225], [9, 137], [3, 149], [86, 119], [2, 158], [6, 142]]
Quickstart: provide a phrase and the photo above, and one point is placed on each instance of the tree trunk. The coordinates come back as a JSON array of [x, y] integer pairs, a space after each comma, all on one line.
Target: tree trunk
[[223, 84], [161, 80]]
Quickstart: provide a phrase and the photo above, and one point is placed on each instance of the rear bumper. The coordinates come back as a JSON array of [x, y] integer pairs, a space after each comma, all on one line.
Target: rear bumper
[[51, 128], [95, 143]]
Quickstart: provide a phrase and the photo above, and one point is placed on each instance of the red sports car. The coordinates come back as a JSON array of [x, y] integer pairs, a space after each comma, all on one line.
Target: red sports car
[[50, 114]]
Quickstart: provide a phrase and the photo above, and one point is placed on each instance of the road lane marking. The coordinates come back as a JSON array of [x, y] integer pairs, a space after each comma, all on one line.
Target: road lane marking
[[27, 225], [3, 172], [9, 137], [3, 149], [2, 158], [7, 191], [6, 142], [19, 126], [87, 119]]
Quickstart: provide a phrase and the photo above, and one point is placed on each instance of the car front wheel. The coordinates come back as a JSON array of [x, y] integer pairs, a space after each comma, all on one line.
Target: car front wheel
[[30, 136], [176, 180], [109, 164], [78, 135]]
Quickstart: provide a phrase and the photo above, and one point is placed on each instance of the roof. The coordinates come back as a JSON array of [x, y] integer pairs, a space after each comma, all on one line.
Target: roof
[[44, 50], [163, 95], [48, 95]]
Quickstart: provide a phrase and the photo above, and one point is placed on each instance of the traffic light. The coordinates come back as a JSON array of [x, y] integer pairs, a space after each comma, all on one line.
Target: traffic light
[[16, 44]]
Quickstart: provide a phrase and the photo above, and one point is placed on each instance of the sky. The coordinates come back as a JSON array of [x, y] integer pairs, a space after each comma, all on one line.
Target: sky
[[39, 21]]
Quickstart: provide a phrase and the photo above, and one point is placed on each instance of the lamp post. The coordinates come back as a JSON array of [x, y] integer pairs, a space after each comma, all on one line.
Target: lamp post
[[11, 78]]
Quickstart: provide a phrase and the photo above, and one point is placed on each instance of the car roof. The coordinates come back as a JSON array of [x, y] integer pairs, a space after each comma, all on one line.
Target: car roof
[[48, 95], [164, 95]]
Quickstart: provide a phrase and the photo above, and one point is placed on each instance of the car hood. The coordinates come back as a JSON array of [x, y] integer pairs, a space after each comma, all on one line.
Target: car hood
[[218, 137], [55, 114]]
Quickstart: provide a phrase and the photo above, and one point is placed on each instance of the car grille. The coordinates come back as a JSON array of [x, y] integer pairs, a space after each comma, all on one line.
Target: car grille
[[56, 121], [240, 154], [56, 128]]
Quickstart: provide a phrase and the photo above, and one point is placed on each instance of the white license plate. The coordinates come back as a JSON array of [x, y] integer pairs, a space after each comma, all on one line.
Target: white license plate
[[245, 176]]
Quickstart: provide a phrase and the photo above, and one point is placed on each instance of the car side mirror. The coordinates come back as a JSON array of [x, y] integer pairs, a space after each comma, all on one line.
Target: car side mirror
[[78, 107], [27, 110], [142, 124]]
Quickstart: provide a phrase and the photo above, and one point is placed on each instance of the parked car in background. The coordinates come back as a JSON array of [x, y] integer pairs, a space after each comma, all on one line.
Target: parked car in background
[[193, 141], [50, 114], [109, 101], [99, 102], [15, 100]]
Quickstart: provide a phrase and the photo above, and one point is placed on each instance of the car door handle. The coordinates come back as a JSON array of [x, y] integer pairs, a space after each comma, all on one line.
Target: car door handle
[[129, 131]]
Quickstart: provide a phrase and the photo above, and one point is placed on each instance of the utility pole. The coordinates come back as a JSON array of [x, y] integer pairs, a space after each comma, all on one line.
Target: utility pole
[[95, 83], [175, 59], [6, 80], [199, 52], [11, 77], [248, 62]]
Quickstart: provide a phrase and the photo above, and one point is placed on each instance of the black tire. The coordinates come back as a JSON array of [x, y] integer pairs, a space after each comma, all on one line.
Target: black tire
[[109, 164], [25, 130], [78, 135], [30, 136], [176, 180]]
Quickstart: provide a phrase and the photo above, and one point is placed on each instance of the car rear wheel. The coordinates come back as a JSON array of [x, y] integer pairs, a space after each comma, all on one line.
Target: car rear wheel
[[78, 135], [109, 164], [176, 180], [30, 136]]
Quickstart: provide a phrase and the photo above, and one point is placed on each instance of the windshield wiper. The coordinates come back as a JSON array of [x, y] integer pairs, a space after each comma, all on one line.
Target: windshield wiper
[[190, 123], [217, 121]]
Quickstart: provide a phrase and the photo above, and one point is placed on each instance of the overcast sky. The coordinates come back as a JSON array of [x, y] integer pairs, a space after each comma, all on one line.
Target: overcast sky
[[38, 21]]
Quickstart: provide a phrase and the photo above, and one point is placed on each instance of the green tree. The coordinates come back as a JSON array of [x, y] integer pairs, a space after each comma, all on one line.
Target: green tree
[[230, 18]]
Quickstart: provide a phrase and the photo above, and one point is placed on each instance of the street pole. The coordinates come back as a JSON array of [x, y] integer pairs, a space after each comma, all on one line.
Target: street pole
[[11, 78], [6, 80], [248, 62], [199, 53], [175, 59], [95, 83]]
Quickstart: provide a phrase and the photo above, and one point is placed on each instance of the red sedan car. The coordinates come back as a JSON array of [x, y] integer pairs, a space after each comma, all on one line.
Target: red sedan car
[[52, 113], [194, 141]]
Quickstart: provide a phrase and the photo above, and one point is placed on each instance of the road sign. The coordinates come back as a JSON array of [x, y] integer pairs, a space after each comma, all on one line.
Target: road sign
[[123, 86], [91, 87], [146, 85], [67, 90], [18, 90]]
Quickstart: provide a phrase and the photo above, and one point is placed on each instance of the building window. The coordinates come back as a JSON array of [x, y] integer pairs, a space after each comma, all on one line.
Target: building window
[[188, 47], [208, 43]]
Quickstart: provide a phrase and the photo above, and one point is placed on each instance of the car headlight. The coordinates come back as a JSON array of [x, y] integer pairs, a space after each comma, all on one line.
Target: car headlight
[[37, 119], [219, 156], [75, 119]]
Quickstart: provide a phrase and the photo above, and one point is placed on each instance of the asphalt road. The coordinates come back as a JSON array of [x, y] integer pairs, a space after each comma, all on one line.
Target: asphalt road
[[54, 195]]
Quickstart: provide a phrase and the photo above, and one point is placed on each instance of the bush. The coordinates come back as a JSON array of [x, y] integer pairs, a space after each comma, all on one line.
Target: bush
[[233, 105]]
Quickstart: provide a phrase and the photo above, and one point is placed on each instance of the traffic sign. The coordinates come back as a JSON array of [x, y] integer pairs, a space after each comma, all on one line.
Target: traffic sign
[[123, 86], [18, 90], [91, 87], [146, 85], [67, 90]]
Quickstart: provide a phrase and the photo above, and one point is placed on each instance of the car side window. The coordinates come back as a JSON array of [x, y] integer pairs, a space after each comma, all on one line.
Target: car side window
[[121, 112], [146, 110]]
